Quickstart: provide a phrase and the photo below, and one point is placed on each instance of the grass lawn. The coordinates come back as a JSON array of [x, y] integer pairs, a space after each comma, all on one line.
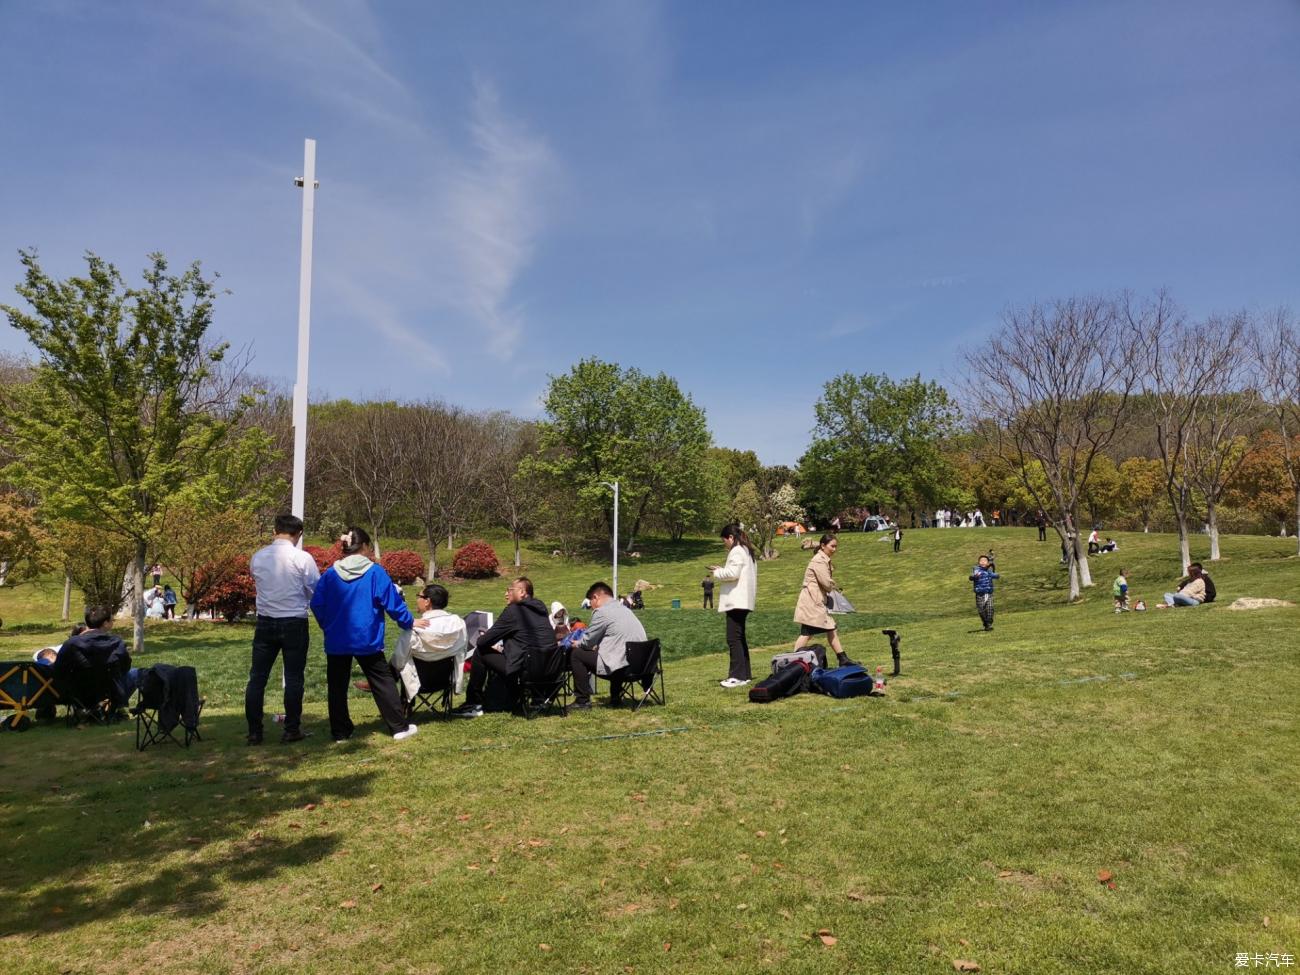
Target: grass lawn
[[966, 815]]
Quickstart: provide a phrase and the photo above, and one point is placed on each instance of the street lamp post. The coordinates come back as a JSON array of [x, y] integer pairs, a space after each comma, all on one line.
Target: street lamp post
[[307, 181], [614, 487]]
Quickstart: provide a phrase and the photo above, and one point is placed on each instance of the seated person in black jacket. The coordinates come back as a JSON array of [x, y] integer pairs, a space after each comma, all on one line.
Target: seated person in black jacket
[[523, 628], [94, 665]]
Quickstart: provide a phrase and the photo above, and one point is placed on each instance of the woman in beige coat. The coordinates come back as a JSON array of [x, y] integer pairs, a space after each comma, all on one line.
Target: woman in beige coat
[[810, 612]]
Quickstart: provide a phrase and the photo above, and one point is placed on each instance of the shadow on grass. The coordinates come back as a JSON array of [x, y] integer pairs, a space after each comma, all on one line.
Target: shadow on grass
[[109, 831]]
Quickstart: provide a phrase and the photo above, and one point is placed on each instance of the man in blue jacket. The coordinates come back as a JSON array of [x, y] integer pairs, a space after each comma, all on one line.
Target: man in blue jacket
[[982, 576]]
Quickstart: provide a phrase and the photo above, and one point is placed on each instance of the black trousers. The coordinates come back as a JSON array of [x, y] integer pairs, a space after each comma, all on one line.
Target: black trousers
[[984, 604], [708, 599], [480, 664], [1042, 533], [338, 676], [898, 543], [583, 664], [737, 645], [275, 635]]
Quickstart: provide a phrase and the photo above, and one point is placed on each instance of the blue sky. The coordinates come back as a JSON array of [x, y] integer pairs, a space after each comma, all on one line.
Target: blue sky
[[750, 196]]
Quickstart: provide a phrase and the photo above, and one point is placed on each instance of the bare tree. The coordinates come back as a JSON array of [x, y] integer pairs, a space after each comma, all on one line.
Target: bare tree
[[1058, 380], [362, 446], [513, 497], [1276, 347], [1188, 368], [444, 451]]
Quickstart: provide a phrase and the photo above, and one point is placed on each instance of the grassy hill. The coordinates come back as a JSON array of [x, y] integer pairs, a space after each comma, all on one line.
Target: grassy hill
[[964, 816]]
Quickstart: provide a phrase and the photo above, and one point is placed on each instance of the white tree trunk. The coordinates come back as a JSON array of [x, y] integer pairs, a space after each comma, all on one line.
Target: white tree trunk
[[1081, 557], [433, 556], [1184, 544], [4, 572], [137, 599], [374, 540], [518, 562], [1074, 580], [67, 597], [450, 541], [1214, 533]]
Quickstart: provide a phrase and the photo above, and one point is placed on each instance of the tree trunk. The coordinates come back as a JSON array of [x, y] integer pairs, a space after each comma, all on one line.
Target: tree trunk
[[451, 541], [516, 536], [433, 555], [374, 540], [67, 597], [137, 607], [1184, 544], [1074, 577], [1214, 531], [1081, 558], [4, 572], [1297, 522]]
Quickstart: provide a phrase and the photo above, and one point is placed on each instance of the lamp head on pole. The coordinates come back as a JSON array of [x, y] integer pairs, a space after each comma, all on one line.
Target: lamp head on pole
[[300, 182]]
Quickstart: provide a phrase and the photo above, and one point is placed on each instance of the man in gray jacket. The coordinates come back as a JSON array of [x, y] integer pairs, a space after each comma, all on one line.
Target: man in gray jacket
[[603, 645]]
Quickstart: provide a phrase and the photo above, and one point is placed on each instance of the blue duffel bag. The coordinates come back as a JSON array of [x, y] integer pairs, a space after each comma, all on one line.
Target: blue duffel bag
[[851, 681]]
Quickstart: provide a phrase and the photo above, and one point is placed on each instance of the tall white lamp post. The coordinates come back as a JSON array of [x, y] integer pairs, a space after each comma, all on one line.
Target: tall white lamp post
[[614, 487], [307, 181]]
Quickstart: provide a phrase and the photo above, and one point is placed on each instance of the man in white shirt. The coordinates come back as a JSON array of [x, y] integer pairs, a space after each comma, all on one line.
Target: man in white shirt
[[602, 647], [285, 577]]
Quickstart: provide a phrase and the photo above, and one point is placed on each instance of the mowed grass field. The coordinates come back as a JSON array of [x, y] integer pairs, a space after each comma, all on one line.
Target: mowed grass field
[[965, 816]]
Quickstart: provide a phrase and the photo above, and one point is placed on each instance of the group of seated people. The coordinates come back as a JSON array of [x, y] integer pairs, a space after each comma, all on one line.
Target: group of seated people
[[522, 636], [1097, 547]]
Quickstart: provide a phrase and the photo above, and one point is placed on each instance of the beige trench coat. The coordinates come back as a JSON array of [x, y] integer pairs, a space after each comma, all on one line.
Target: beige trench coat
[[817, 582]]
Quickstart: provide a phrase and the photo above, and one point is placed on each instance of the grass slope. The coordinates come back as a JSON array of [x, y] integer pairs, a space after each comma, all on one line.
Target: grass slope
[[964, 816]]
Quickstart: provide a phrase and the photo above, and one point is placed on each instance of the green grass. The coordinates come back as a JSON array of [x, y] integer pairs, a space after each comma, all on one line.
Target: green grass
[[965, 815]]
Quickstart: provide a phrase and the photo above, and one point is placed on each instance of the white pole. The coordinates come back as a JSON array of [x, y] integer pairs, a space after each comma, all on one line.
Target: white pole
[[308, 183], [616, 539]]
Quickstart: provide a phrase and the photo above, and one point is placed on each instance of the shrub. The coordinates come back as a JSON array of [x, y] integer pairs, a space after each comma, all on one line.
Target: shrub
[[403, 565], [477, 560], [325, 557], [227, 588]]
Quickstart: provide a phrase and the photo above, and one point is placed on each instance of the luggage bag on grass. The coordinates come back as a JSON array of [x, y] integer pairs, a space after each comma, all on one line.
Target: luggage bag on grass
[[841, 682], [814, 655], [790, 679]]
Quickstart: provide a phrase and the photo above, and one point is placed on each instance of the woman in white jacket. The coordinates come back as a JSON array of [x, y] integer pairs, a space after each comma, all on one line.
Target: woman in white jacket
[[739, 578]]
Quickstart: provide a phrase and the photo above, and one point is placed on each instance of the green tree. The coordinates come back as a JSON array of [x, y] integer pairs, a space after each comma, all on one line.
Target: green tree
[[124, 417], [878, 443], [606, 423]]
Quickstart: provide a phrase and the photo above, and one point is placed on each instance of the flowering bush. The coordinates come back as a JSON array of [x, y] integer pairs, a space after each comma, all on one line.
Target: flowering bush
[[476, 560], [325, 557], [228, 589], [403, 565]]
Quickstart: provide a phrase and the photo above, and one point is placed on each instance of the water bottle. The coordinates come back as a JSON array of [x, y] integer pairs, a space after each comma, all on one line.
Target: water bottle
[[277, 718], [878, 686]]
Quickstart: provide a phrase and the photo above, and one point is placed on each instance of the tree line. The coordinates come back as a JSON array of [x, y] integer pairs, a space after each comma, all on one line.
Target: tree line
[[134, 437]]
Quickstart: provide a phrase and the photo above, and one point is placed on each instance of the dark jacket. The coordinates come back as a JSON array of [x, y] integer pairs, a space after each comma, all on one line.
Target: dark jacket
[[523, 628], [983, 579], [174, 691], [90, 665]]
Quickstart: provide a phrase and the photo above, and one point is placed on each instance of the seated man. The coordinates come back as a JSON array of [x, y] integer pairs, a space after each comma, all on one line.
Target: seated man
[[1110, 546], [1191, 591], [524, 628], [602, 646], [95, 654], [437, 635]]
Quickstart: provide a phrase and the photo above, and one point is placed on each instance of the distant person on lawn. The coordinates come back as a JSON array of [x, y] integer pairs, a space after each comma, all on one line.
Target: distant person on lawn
[[602, 646], [810, 611], [1119, 590], [285, 578], [982, 576], [1191, 591], [349, 604], [523, 628], [707, 586]]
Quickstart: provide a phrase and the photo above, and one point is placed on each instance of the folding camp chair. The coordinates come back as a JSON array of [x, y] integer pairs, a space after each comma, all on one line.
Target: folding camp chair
[[28, 690], [545, 684], [437, 685], [160, 703], [636, 681], [90, 697]]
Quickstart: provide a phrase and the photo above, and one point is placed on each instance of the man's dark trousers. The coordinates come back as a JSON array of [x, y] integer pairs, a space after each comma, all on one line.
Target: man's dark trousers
[[275, 635]]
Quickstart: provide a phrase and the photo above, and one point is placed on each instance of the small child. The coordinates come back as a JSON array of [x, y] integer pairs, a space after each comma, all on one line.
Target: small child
[[982, 576], [1119, 589]]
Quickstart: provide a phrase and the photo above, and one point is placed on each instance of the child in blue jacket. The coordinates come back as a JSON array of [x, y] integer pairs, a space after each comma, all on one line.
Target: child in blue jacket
[[982, 576], [349, 604]]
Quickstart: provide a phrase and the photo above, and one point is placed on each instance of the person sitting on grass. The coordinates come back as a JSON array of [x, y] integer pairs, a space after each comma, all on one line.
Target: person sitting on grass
[[982, 576], [1191, 590], [602, 646], [523, 628], [1110, 545]]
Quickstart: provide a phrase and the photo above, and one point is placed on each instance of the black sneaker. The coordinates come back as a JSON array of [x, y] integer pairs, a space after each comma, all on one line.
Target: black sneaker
[[843, 661], [580, 706], [468, 711], [292, 736], [253, 739]]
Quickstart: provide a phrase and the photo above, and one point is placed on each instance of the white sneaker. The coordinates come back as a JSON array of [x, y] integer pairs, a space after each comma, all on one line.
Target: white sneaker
[[408, 733], [732, 682]]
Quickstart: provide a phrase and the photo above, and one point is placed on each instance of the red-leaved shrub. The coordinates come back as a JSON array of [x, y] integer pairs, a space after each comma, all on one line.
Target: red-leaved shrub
[[233, 594], [325, 557], [404, 566], [476, 560]]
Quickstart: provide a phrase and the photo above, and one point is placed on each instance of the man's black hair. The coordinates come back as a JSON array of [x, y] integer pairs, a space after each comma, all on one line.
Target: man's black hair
[[599, 587], [97, 616], [436, 594], [287, 524], [528, 585]]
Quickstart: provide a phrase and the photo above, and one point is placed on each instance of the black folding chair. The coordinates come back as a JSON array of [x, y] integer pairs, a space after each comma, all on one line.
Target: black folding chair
[[636, 682], [437, 686], [545, 684], [90, 697], [161, 703]]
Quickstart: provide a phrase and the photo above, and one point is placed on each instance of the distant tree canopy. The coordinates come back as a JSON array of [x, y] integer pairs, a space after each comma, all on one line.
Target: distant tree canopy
[[878, 442]]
